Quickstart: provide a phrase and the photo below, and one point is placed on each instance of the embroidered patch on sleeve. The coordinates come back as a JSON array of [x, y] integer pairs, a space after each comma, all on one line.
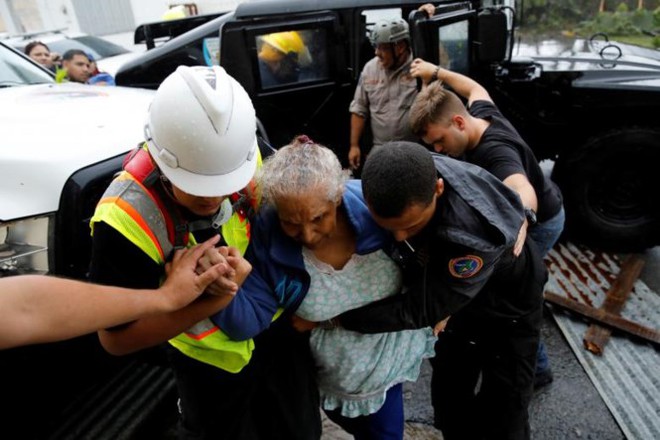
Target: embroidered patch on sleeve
[[465, 267]]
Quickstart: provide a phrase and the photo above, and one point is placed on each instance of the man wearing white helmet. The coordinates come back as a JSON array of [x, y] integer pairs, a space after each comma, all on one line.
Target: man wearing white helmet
[[190, 180], [385, 90]]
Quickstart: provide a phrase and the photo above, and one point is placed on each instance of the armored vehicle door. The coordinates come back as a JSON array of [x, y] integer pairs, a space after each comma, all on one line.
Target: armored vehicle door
[[461, 38]]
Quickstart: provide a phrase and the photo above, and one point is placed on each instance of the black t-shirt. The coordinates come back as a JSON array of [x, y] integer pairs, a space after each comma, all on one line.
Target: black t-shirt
[[503, 152]]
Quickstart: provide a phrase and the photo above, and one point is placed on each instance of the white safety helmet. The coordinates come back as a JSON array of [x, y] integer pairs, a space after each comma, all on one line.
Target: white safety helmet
[[389, 31], [201, 131]]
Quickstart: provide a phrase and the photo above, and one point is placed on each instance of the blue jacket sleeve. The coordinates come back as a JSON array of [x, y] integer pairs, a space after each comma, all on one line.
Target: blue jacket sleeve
[[255, 304]]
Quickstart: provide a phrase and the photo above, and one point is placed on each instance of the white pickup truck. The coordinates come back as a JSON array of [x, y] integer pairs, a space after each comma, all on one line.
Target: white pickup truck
[[60, 145]]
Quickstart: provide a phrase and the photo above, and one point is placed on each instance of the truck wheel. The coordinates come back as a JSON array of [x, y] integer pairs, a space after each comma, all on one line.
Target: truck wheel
[[611, 189]]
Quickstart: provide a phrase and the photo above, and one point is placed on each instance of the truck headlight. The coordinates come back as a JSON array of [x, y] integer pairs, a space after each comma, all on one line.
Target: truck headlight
[[24, 246]]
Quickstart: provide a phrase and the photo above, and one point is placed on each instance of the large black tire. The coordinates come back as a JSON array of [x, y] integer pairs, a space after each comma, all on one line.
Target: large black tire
[[611, 189]]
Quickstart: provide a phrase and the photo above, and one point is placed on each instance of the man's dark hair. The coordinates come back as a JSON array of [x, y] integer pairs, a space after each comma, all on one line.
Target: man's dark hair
[[396, 175], [69, 54]]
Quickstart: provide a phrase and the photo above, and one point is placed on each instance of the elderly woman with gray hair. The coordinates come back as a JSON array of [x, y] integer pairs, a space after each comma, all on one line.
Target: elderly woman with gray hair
[[317, 252]]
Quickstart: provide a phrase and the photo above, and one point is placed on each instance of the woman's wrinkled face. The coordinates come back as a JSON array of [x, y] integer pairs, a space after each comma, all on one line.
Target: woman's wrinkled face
[[310, 219], [204, 206]]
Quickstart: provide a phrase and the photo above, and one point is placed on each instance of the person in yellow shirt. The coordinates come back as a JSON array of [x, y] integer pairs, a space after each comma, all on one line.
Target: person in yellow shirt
[[192, 179], [75, 67]]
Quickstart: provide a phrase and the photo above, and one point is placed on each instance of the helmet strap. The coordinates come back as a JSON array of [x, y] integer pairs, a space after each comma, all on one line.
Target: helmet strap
[[223, 215], [220, 218]]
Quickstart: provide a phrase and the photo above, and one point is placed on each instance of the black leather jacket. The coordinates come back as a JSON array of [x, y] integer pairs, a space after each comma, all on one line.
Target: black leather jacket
[[462, 261]]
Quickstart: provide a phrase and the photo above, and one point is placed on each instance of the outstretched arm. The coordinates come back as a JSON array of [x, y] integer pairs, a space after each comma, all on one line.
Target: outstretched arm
[[461, 84], [40, 309], [117, 261]]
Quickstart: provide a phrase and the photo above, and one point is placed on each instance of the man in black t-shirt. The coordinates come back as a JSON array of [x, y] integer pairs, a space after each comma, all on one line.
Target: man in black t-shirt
[[481, 135]]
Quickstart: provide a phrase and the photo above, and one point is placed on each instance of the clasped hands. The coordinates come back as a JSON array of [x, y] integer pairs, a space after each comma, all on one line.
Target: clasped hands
[[233, 267]]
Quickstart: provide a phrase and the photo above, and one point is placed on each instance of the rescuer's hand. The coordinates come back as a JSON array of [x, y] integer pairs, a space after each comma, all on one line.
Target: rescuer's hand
[[223, 285], [241, 266], [303, 325], [183, 284], [440, 326], [428, 8]]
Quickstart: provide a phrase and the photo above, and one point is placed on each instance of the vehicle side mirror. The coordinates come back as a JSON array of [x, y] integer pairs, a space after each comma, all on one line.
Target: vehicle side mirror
[[490, 43]]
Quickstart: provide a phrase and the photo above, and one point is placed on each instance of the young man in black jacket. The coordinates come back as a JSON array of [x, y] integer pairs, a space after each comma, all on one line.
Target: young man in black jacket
[[456, 226], [481, 135]]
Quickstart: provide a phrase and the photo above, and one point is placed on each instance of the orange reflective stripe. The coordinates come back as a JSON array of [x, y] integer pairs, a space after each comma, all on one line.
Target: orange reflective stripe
[[140, 221], [201, 336], [137, 218], [169, 224]]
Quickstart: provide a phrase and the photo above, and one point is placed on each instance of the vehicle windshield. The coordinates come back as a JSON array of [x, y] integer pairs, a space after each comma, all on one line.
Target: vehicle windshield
[[15, 70], [97, 47]]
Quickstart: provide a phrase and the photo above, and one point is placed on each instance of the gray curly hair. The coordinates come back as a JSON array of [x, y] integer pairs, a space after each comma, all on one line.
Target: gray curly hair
[[300, 168]]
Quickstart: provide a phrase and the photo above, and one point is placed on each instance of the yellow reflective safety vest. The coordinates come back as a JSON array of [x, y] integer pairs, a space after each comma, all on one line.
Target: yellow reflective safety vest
[[136, 210]]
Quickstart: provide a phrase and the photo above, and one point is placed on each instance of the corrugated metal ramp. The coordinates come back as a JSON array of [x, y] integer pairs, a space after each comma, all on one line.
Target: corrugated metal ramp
[[627, 375]]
